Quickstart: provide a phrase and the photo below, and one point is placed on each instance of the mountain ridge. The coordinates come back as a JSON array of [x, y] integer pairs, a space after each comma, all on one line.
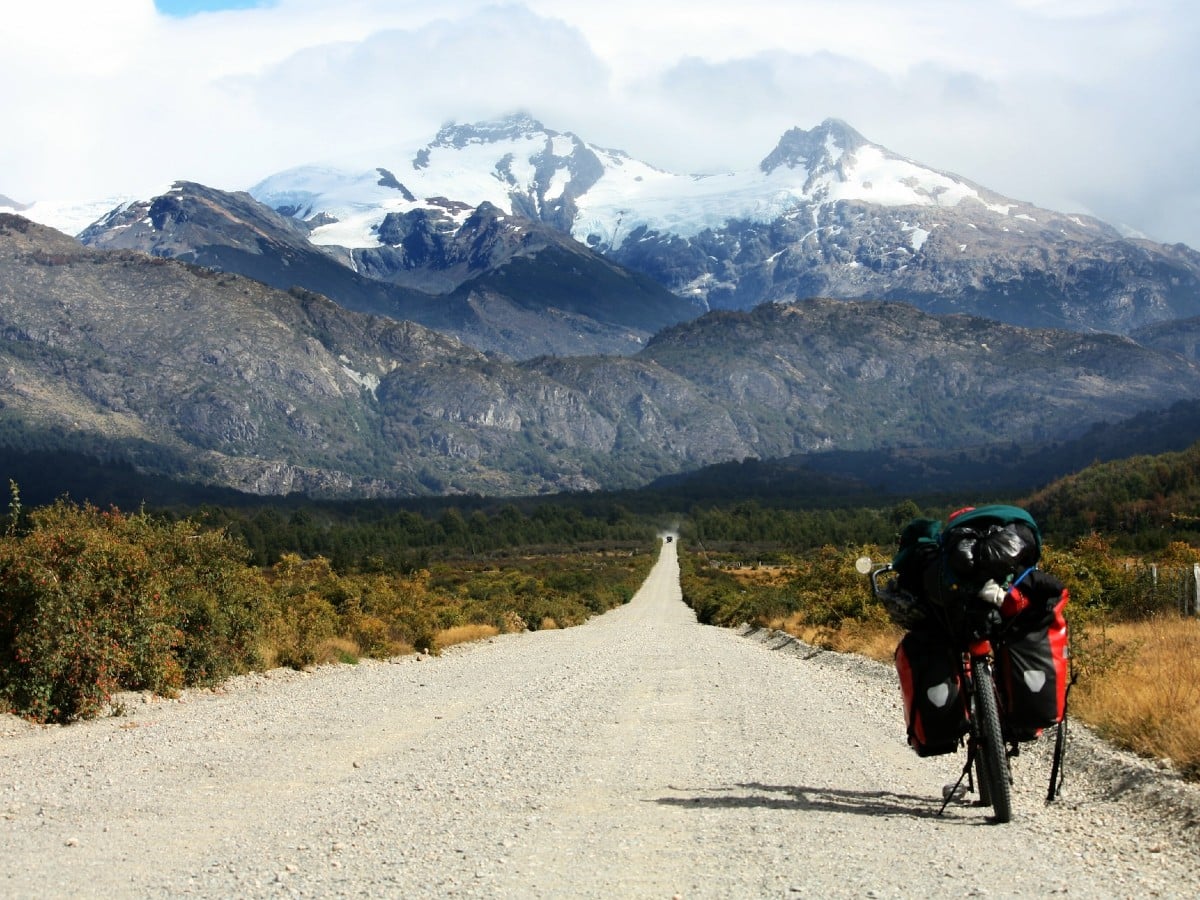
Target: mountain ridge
[[463, 272], [826, 213], [178, 368]]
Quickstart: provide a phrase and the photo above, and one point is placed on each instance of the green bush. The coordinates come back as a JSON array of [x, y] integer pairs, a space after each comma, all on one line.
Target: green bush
[[303, 626], [716, 596], [217, 603], [824, 590], [93, 602], [829, 591], [83, 612]]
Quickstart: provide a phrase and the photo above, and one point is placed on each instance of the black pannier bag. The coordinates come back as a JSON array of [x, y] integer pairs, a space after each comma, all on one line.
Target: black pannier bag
[[903, 597], [931, 685], [1032, 657]]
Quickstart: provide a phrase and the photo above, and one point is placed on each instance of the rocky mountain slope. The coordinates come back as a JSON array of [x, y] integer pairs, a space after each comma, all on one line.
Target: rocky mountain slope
[[1178, 336], [500, 282], [180, 368], [185, 370], [1001, 468]]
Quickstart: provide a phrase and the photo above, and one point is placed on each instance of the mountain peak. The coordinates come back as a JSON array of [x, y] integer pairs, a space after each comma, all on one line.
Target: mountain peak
[[508, 128], [818, 148]]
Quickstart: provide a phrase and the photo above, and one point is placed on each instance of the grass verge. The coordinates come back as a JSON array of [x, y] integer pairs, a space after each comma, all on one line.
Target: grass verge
[[1145, 696], [1138, 680]]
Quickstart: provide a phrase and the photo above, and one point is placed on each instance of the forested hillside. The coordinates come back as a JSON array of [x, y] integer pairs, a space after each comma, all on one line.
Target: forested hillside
[[1147, 500]]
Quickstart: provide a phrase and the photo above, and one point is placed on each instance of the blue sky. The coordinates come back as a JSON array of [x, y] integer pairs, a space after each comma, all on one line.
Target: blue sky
[[1076, 105], [181, 8]]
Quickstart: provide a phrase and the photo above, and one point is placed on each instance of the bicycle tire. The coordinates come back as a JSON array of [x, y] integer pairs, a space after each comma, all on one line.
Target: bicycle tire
[[980, 767], [992, 759]]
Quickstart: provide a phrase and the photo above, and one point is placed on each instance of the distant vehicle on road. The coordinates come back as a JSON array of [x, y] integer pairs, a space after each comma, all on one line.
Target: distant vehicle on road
[[669, 538]]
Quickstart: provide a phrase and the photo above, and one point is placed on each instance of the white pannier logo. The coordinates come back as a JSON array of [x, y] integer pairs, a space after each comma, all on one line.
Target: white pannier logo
[[939, 695], [1035, 681]]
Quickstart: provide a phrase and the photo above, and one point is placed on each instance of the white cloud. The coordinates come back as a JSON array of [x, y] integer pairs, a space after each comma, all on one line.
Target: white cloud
[[1076, 104]]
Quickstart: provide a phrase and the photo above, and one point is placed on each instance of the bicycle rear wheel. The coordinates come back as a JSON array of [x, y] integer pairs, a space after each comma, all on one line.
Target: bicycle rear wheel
[[991, 759]]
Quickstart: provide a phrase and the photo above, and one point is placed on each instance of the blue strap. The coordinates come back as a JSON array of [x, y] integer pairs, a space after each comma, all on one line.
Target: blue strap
[[1022, 578], [1008, 590]]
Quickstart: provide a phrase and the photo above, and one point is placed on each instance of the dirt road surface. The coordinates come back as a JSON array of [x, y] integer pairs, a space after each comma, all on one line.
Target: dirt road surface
[[640, 755]]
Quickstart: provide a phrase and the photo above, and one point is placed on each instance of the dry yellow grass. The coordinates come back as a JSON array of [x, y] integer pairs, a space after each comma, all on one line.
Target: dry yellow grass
[[337, 650], [877, 642], [1148, 698], [762, 576], [463, 634], [1141, 691], [331, 650]]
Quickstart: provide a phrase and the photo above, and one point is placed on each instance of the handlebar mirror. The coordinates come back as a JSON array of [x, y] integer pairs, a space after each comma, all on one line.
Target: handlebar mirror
[[862, 565]]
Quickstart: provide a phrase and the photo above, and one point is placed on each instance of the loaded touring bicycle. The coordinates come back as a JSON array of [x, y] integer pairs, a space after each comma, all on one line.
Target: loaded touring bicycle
[[984, 661]]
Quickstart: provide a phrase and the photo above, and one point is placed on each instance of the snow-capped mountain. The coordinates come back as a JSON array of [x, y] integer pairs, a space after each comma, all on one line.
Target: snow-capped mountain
[[68, 216], [826, 213], [602, 197]]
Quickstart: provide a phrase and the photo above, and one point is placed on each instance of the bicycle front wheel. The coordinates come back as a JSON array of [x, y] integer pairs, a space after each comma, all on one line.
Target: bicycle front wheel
[[991, 759]]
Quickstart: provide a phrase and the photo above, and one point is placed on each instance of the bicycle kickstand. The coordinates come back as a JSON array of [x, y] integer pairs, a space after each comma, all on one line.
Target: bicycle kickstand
[[949, 792]]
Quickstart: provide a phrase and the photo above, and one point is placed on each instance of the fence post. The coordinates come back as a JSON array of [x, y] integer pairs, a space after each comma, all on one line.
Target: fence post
[[1196, 589]]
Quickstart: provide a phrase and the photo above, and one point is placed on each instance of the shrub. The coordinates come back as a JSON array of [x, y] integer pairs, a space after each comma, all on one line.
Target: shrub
[[821, 590], [83, 612], [829, 591], [96, 601], [301, 627], [716, 596], [217, 603]]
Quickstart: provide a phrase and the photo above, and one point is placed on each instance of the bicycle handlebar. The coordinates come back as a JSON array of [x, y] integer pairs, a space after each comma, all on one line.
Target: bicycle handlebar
[[875, 577]]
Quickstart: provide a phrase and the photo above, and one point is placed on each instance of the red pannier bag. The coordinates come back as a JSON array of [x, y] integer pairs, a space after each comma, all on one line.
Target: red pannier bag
[[1032, 668], [931, 686]]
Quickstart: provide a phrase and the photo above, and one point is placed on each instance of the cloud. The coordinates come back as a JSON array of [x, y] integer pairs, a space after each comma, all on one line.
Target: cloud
[[400, 85], [1075, 104]]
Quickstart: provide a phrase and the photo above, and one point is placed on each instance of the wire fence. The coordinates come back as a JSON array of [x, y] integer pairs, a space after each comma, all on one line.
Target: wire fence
[[1162, 588]]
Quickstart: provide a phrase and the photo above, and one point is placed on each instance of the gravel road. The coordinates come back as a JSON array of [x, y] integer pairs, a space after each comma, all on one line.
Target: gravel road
[[640, 755]]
